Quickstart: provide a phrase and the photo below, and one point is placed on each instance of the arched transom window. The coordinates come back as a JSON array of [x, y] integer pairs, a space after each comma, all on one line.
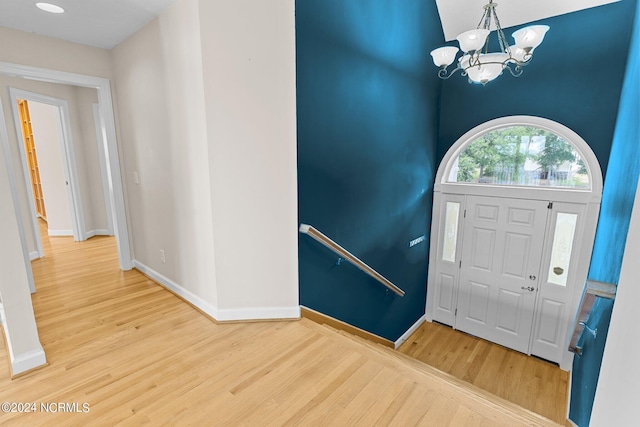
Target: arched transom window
[[520, 156]]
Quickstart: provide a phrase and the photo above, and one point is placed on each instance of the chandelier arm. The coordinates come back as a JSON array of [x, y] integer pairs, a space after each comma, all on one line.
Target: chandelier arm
[[526, 58], [515, 71], [444, 72]]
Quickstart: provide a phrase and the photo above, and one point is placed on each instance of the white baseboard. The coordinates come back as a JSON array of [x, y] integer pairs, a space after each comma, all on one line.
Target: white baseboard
[[252, 313], [189, 296], [34, 255], [58, 233], [98, 232], [411, 330], [259, 313], [26, 361]]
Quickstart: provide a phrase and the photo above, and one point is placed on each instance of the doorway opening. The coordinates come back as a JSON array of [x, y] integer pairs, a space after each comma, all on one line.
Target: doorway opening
[[516, 202], [49, 165], [109, 162]]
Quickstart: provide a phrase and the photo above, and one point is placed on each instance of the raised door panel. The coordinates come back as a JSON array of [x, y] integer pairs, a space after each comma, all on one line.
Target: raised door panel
[[503, 253]]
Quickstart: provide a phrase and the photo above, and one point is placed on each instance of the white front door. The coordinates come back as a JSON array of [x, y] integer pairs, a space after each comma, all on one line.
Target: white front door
[[500, 264]]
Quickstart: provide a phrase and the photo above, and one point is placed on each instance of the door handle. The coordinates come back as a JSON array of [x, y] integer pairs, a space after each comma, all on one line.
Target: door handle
[[528, 288]]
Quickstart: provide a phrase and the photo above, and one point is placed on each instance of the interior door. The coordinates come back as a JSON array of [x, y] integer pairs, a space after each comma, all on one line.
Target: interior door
[[500, 268]]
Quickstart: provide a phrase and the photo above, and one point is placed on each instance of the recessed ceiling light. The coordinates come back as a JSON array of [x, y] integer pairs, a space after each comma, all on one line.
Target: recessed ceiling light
[[48, 7]]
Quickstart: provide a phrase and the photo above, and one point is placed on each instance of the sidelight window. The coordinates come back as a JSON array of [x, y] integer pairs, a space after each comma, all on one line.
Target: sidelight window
[[450, 231], [562, 247]]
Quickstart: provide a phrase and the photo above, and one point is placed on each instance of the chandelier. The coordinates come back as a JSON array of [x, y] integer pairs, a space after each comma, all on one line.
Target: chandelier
[[476, 62]]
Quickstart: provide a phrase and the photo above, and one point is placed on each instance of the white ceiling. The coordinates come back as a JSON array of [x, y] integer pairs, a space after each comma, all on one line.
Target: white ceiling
[[105, 23], [100, 23], [458, 16]]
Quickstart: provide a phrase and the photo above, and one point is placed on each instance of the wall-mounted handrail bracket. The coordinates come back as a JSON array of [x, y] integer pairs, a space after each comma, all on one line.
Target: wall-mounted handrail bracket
[[592, 332], [348, 256], [592, 291]]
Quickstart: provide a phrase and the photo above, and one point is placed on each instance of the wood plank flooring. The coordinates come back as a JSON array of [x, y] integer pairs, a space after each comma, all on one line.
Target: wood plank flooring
[[532, 383], [138, 355]]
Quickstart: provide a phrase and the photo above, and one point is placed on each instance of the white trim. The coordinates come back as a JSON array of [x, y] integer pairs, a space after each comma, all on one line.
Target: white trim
[[513, 192], [189, 296], [409, 331], [253, 313], [433, 255], [97, 121], [99, 232], [6, 151], [26, 361], [591, 199], [60, 233], [569, 398], [116, 191], [259, 313], [25, 169], [34, 255], [65, 138]]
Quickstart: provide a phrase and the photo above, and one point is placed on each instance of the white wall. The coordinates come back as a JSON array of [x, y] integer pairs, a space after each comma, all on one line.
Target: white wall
[[206, 105], [24, 48], [617, 395], [159, 88], [46, 134], [248, 53]]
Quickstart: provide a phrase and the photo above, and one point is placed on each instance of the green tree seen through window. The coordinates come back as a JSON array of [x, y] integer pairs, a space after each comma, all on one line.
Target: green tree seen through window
[[521, 155]]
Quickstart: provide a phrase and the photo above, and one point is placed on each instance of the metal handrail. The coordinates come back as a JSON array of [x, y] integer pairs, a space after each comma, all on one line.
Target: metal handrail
[[326, 241]]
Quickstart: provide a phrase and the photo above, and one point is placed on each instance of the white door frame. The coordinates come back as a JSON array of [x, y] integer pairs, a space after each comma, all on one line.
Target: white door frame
[[68, 161], [109, 147], [591, 199], [99, 125], [8, 162]]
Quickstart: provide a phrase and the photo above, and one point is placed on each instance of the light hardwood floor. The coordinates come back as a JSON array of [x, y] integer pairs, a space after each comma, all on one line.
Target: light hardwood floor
[[532, 383], [137, 355]]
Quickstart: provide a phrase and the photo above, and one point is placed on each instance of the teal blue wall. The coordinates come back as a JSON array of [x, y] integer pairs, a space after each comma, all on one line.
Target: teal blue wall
[[367, 128], [374, 123], [615, 215]]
